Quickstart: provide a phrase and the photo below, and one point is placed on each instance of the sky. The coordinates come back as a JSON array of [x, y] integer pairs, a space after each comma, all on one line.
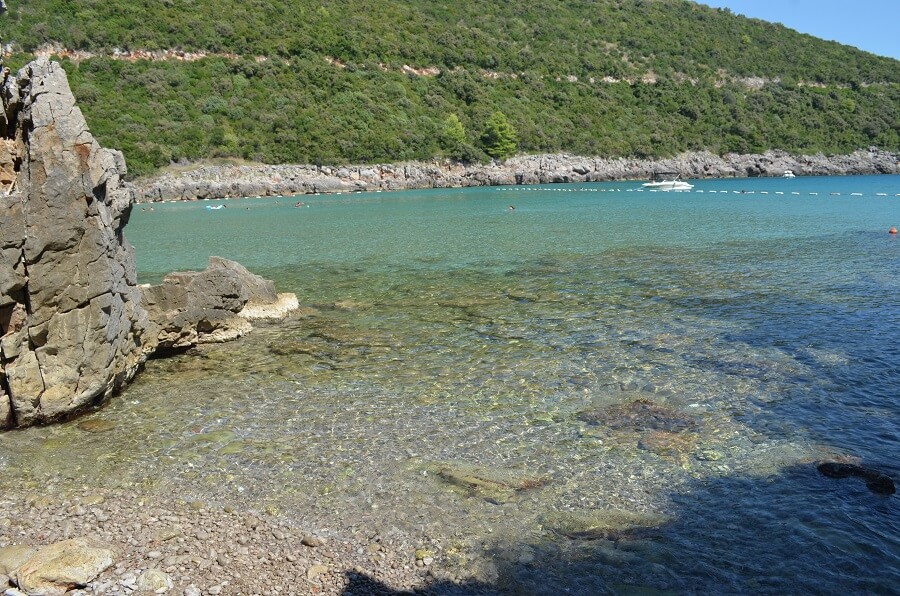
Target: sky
[[870, 25]]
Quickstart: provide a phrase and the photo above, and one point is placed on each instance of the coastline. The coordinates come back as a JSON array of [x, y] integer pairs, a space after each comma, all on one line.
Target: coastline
[[169, 545], [237, 181]]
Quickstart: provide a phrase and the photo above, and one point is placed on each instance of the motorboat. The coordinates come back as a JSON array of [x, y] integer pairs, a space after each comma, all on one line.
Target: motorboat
[[659, 182], [788, 174]]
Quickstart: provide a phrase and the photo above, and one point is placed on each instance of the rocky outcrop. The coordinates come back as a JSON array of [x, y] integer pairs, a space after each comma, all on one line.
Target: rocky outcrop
[[70, 317], [73, 329], [876, 481], [211, 306], [207, 182]]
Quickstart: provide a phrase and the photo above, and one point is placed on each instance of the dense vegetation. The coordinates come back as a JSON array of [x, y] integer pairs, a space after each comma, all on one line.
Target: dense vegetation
[[536, 66]]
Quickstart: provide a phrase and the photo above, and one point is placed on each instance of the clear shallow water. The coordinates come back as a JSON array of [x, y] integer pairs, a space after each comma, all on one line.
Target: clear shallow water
[[605, 390]]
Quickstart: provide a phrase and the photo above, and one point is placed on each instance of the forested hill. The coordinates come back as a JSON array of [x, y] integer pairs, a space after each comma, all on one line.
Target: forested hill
[[389, 80]]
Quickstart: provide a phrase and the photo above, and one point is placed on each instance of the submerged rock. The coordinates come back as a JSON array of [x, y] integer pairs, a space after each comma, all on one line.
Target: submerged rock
[[640, 414], [96, 425], [494, 486], [609, 524], [876, 481]]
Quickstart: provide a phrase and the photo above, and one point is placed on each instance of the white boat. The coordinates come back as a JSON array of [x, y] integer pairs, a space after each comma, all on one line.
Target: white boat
[[788, 174], [659, 183]]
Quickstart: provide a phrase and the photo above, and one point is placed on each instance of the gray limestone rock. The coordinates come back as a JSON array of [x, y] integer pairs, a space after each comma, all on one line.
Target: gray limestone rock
[[283, 180], [73, 329], [70, 320], [194, 307]]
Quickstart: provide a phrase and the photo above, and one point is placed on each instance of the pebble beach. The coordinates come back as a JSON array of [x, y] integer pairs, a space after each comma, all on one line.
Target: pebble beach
[[170, 546]]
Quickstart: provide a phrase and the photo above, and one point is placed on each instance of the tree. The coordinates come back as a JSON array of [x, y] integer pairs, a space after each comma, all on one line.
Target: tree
[[499, 138], [453, 135]]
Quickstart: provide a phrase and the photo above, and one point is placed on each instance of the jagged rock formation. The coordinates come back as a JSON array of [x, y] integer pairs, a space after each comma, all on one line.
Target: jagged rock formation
[[72, 326], [70, 317], [214, 305], [209, 182]]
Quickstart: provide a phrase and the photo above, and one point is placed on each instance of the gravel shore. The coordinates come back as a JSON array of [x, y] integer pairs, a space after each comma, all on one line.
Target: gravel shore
[[195, 549]]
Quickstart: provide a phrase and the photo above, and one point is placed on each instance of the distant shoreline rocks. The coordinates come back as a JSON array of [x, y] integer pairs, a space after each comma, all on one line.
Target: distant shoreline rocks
[[234, 181]]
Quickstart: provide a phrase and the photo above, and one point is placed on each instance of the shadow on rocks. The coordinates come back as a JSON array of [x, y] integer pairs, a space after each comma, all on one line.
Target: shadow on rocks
[[360, 584], [796, 531]]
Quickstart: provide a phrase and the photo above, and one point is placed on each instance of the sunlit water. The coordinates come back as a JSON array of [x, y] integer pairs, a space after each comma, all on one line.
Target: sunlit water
[[603, 390]]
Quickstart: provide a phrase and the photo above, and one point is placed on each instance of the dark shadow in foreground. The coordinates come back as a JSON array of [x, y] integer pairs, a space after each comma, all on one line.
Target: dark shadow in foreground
[[794, 532], [360, 584]]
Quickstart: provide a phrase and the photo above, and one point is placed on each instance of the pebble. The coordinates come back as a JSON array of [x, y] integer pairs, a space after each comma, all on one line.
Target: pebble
[[189, 546], [315, 571]]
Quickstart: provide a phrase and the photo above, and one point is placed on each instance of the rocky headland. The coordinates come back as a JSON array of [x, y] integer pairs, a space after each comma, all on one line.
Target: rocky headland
[[221, 181], [75, 326]]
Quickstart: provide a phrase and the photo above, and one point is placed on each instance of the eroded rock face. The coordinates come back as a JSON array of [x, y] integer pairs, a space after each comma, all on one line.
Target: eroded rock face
[[208, 306], [73, 328], [70, 317]]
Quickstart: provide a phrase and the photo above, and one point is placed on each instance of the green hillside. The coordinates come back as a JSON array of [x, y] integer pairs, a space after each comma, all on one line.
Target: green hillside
[[324, 82]]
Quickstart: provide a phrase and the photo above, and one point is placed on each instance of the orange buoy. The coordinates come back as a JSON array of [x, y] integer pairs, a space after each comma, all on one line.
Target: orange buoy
[[893, 230]]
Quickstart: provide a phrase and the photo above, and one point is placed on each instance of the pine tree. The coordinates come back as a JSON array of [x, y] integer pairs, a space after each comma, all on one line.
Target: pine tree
[[499, 139]]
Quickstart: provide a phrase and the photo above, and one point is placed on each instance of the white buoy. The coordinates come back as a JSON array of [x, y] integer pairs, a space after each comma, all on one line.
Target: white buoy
[[855, 194], [881, 194], [778, 192], [815, 194]]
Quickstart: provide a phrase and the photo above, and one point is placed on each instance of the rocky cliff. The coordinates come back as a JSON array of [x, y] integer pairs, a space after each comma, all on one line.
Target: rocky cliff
[[280, 180], [73, 328], [70, 317]]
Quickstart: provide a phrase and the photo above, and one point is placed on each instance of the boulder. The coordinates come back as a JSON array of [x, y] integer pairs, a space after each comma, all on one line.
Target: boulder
[[62, 566], [209, 306], [154, 581], [70, 318], [12, 557]]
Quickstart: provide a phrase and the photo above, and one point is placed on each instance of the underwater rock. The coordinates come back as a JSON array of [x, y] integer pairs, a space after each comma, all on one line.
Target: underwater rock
[[876, 481], [675, 446], [494, 486], [640, 414], [609, 524], [96, 425]]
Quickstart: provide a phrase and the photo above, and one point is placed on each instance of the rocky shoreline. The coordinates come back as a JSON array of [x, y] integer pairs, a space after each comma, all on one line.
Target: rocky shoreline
[[170, 546], [233, 181]]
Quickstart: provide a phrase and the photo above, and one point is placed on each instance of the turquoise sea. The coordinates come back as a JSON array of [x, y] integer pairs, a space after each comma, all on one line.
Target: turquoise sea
[[604, 390]]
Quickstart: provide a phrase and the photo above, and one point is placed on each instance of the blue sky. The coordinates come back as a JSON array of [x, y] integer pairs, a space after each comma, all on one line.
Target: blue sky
[[870, 25]]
